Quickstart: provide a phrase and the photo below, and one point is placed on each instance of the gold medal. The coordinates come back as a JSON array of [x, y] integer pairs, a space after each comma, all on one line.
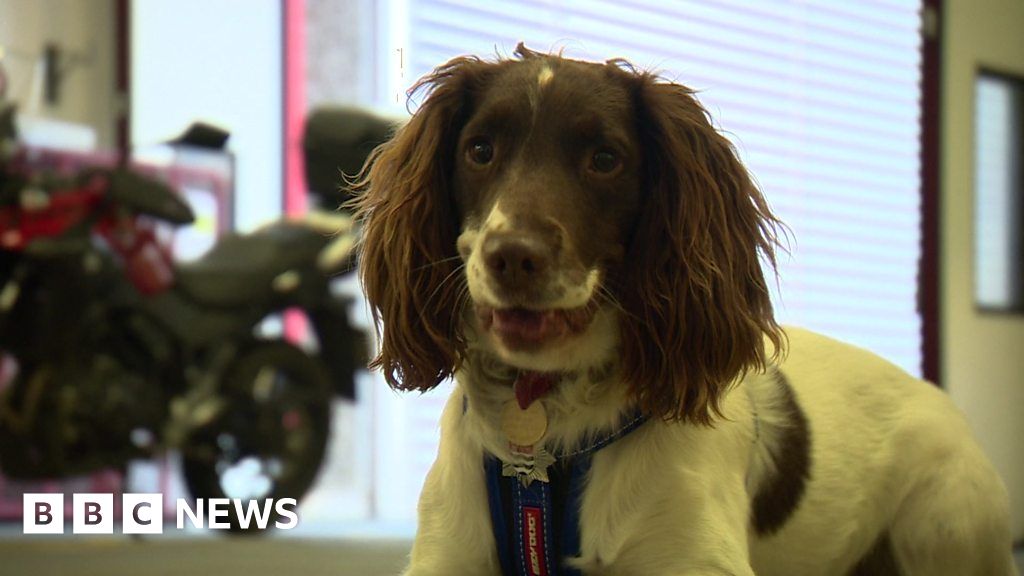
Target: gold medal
[[524, 427]]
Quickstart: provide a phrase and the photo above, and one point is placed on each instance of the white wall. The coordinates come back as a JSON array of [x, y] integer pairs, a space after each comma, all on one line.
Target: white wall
[[82, 29], [983, 354], [218, 61]]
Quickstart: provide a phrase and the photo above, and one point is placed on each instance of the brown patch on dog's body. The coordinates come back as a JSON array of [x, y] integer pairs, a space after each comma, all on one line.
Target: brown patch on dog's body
[[779, 496]]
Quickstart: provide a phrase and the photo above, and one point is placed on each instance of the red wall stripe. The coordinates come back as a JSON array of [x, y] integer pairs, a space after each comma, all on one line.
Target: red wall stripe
[[294, 104]]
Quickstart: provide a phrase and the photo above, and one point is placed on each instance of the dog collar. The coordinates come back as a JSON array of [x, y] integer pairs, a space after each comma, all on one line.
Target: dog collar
[[524, 423]]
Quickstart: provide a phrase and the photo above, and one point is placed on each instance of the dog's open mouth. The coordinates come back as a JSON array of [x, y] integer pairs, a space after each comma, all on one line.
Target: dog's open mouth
[[526, 328]]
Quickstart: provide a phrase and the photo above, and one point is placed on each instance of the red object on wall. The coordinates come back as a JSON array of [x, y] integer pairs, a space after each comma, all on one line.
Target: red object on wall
[[294, 87], [294, 60]]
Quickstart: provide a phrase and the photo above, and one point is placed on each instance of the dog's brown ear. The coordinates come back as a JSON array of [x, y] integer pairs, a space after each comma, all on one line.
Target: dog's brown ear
[[697, 305], [407, 260]]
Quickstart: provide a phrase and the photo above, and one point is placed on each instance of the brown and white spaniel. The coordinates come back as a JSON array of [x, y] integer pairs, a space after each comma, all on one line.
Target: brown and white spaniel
[[579, 247]]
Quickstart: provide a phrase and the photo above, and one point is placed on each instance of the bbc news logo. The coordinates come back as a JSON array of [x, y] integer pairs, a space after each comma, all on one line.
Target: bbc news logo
[[144, 513]]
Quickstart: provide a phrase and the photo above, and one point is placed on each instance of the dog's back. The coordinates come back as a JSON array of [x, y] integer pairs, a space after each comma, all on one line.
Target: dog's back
[[893, 477]]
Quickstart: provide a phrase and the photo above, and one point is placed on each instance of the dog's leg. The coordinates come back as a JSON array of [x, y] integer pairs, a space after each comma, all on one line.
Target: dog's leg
[[954, 522], [454, 534], [670, 500]]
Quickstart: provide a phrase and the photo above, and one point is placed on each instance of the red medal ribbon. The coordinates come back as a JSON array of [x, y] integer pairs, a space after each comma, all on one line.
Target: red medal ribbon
[[532, 385]]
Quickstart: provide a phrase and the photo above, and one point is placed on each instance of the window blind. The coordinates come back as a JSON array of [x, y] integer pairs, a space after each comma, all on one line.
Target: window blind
[[822, 100]]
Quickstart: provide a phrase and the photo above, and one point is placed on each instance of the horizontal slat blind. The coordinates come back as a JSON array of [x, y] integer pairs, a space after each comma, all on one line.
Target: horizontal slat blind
[[822, 99]]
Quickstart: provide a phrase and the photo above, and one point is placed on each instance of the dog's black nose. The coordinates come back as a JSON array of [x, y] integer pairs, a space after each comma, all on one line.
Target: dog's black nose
[[516, 260]]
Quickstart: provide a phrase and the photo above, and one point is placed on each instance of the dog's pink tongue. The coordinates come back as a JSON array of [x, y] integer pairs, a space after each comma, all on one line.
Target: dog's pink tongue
[[527, 325], [531, 385]]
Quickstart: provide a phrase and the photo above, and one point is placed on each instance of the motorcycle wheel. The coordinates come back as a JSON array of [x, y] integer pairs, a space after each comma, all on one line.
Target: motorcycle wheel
[[270, 441]]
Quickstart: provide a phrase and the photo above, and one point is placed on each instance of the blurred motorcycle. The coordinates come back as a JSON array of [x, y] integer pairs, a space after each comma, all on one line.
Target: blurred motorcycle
[[122, 353]]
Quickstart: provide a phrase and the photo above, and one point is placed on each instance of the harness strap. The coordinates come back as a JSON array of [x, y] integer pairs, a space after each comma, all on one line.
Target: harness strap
[[536, 526], [492, 466], [571, 520]]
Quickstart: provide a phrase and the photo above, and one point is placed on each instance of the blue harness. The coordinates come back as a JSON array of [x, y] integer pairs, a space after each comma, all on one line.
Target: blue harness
[[536, 525]]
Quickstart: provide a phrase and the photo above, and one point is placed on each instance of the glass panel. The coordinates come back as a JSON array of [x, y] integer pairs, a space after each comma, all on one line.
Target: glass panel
[[998, 254]]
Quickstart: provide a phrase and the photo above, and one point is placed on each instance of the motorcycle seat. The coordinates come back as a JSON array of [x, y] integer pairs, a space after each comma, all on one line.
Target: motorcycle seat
[[240, 269]]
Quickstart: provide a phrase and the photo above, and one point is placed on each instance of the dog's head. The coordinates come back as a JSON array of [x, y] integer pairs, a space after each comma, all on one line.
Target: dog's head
[[563, 214]]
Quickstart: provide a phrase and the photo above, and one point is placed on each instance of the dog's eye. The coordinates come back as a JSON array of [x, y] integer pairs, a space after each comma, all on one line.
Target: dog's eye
[[480, 151], [604, 162]]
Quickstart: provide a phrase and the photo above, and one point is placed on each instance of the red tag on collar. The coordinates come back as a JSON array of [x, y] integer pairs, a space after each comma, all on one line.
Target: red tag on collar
[[534, 551], [531, 385]]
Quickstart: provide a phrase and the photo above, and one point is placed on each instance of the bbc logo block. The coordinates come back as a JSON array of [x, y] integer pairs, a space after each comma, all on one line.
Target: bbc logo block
[[42, 514], [93, 514], [142, 514]]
